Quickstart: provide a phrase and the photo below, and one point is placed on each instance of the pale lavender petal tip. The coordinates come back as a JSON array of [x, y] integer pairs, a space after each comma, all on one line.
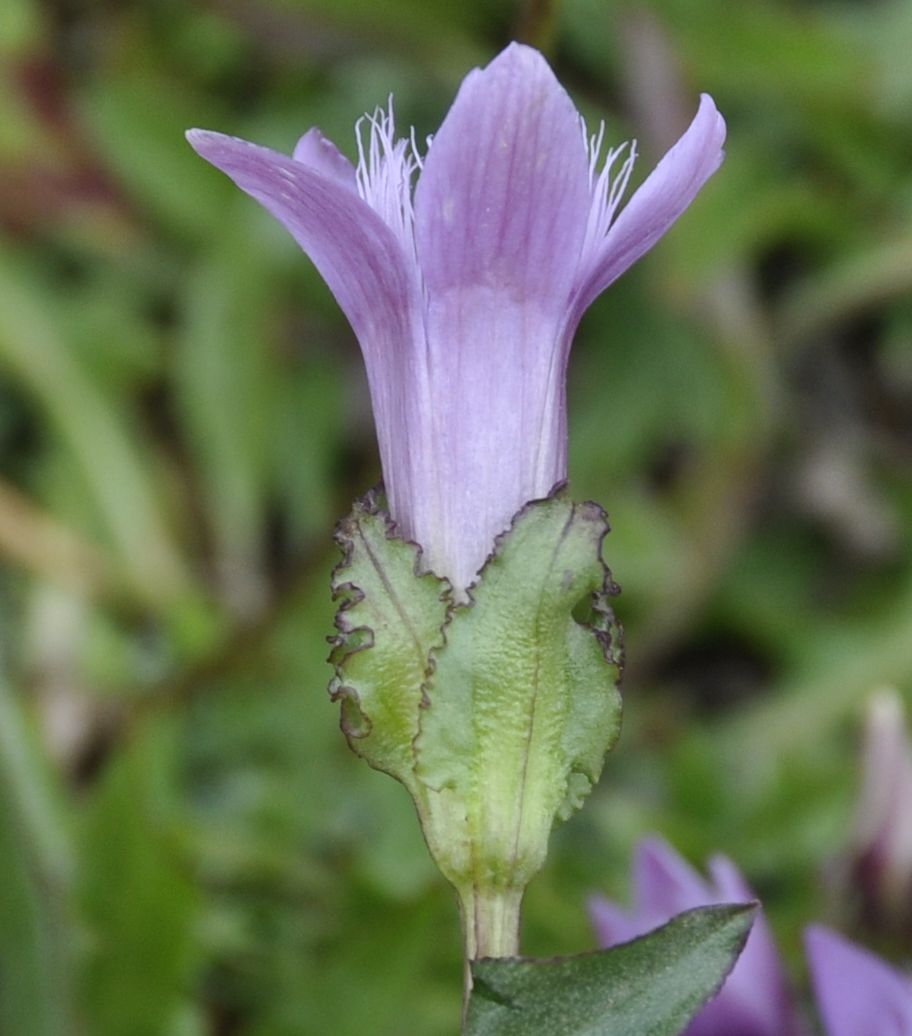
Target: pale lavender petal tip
[[208, 142], [728, 880], [321, 154], [664, 881], [612, 924], [660, 200]]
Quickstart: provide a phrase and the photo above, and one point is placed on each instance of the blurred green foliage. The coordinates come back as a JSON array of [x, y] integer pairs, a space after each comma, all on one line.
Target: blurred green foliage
[[186, 845]]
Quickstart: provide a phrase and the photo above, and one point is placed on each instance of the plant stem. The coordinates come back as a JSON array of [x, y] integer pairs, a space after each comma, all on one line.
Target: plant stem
[[490, 927]]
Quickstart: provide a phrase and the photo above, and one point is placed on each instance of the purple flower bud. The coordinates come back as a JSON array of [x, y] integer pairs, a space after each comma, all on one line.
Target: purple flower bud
[[465, 295], [857, 993], [881, 853], [755, 1000]]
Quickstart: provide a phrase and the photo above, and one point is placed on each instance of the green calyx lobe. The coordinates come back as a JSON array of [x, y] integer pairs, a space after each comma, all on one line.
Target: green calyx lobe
[[389, 619], [495, 713]]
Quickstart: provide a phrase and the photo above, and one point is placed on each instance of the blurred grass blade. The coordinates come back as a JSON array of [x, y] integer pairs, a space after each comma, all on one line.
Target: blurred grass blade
[[33, 349], [853, 284], [137, 896], [35, 917], [138, 119], [226, 384], [39, 541]]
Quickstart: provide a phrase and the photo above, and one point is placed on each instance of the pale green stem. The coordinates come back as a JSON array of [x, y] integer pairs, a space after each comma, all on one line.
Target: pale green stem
[[490, 927]]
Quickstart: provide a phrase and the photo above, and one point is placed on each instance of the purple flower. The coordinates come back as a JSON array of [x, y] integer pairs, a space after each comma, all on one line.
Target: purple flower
[[465, 296], [755, 999], [857, 993]]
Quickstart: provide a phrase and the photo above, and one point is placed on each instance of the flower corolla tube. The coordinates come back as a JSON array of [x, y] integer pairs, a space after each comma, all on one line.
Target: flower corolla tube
[[464, 275]]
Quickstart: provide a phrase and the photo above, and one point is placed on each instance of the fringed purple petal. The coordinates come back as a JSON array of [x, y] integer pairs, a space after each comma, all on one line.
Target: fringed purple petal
[[368, 271], [500, 215], [857, 993], [660, 200]]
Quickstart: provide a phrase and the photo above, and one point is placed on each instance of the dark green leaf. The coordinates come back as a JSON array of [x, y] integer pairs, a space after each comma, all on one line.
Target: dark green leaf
[[649, 987]]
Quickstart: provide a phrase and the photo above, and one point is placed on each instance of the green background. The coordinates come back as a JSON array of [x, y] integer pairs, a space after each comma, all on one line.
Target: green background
[[187, 846]]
